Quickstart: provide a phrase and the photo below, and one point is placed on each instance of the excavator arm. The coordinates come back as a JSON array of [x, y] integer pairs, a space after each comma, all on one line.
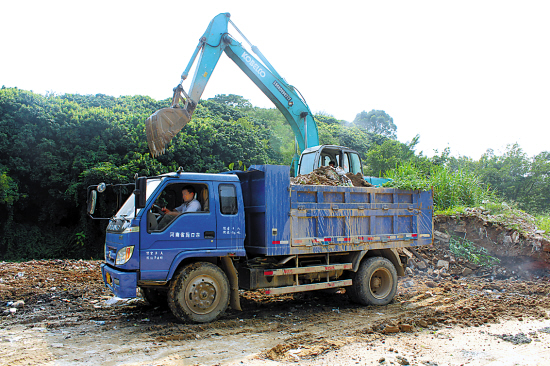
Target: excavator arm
[[163, 125]]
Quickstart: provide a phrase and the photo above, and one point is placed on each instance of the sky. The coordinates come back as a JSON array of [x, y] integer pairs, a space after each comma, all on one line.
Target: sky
[[468, 75]]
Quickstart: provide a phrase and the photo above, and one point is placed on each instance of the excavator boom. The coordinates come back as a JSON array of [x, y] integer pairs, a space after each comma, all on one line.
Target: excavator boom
[[164, 124]]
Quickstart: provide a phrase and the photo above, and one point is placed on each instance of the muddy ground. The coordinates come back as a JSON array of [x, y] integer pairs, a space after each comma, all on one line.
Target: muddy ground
[[64, 315]]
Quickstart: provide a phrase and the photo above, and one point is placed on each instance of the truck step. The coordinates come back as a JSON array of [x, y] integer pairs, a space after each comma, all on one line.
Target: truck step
[[310, 269], [309, 287]]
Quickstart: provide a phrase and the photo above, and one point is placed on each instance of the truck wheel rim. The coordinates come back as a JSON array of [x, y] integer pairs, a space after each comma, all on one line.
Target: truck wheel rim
[[381, 283], [201, 294]]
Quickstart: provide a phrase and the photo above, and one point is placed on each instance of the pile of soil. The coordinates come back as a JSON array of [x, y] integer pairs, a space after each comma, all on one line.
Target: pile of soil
[[328, 176]]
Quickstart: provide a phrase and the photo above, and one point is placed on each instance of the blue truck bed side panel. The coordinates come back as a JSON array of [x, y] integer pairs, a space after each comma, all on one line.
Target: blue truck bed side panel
[[284, 219]]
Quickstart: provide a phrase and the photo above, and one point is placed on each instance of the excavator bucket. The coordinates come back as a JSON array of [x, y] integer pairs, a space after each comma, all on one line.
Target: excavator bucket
[[162, 126]]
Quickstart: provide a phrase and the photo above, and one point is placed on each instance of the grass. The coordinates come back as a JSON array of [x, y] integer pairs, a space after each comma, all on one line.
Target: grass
[[543, 222], [452, 189]]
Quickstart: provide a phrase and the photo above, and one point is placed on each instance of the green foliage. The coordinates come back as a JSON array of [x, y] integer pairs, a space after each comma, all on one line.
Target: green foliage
[[377, 122], [515, 176], [382, 158], [9, 192], [466, 249], [543, 223], [240, 166], [407, 176], [458, 188], [53, 147], [232, 100], [451, 189]]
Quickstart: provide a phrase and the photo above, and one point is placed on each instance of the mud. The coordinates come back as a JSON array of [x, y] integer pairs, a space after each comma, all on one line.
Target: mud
[[65, 316]]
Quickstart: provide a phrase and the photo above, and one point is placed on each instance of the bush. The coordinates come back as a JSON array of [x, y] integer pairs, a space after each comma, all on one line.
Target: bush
[[451, 188]]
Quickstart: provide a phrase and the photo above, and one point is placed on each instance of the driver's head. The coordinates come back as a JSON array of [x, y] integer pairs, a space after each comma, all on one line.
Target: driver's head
[[188, 193]]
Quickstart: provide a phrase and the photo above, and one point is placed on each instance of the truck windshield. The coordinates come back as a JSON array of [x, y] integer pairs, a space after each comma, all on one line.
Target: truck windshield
[[127, 209]]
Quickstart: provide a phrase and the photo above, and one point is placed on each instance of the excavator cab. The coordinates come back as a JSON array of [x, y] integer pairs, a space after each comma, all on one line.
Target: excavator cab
[[318, 156]]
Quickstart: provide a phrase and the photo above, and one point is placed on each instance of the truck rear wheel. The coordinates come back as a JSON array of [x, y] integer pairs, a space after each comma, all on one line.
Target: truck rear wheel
[[199, 293], [375, 283]]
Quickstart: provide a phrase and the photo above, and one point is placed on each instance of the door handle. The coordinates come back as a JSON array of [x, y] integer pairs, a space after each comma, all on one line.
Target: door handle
[[209, 235]]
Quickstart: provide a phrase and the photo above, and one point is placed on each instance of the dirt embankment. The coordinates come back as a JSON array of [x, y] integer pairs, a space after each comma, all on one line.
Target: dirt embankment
[[512, 237]]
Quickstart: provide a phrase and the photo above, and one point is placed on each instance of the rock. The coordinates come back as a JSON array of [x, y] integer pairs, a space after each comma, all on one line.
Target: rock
[[421, 265], [423, 323], [408, 253], [405, 327], [442, 264], [507, 240], [402, 360], [18, 304], [391, 329], [430, 284], [441, 236], [467, 271], [409, 272], [431, 321]]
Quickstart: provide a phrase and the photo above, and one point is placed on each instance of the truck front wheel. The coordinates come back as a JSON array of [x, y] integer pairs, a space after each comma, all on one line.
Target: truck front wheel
[[375, 283], [199, 293]]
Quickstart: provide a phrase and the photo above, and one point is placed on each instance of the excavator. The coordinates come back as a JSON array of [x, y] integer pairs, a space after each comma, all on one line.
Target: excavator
[[165, 123]]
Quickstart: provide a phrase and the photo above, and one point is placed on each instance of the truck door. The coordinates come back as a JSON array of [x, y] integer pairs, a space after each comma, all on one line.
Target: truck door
[[161, 241], [230, 216]]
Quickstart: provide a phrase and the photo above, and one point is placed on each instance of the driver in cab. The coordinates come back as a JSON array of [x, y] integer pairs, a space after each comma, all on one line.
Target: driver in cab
[[190, 204]]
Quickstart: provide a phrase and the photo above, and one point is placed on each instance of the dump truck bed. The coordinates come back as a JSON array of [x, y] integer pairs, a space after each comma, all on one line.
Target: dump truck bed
[[285, 219]]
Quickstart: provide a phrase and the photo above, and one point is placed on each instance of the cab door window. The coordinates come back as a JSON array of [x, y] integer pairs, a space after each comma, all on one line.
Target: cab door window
[[228, 199], [170, 204]]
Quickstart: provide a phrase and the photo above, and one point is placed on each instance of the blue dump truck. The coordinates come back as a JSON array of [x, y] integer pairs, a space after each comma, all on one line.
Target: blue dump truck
[[257, 231]]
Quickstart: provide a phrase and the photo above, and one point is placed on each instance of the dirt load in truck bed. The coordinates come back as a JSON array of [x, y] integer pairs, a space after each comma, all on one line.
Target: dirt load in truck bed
[[327, 176]]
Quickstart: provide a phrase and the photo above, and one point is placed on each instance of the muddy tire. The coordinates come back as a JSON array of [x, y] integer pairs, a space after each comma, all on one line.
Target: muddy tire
[[154, 297], [199, 293], [375, 283]]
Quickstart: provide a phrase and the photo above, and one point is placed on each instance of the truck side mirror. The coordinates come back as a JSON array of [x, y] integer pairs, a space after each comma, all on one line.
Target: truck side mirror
[[141, 192], [92, 200]]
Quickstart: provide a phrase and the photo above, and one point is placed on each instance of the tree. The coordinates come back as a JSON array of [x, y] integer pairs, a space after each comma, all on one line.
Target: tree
[[389, 155], [232, 100], [378, 122]]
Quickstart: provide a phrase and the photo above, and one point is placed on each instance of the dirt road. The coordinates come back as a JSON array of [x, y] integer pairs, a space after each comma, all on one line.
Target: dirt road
[[59, 313]]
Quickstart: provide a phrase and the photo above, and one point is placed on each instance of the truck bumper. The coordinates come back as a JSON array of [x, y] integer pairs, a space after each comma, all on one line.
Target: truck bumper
[[122, 284]]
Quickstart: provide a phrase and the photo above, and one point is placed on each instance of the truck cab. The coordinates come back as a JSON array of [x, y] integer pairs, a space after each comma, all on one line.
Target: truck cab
[[143, 248]]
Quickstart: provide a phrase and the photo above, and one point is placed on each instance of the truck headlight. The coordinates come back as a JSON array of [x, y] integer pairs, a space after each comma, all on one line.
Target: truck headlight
[[124, 255]]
